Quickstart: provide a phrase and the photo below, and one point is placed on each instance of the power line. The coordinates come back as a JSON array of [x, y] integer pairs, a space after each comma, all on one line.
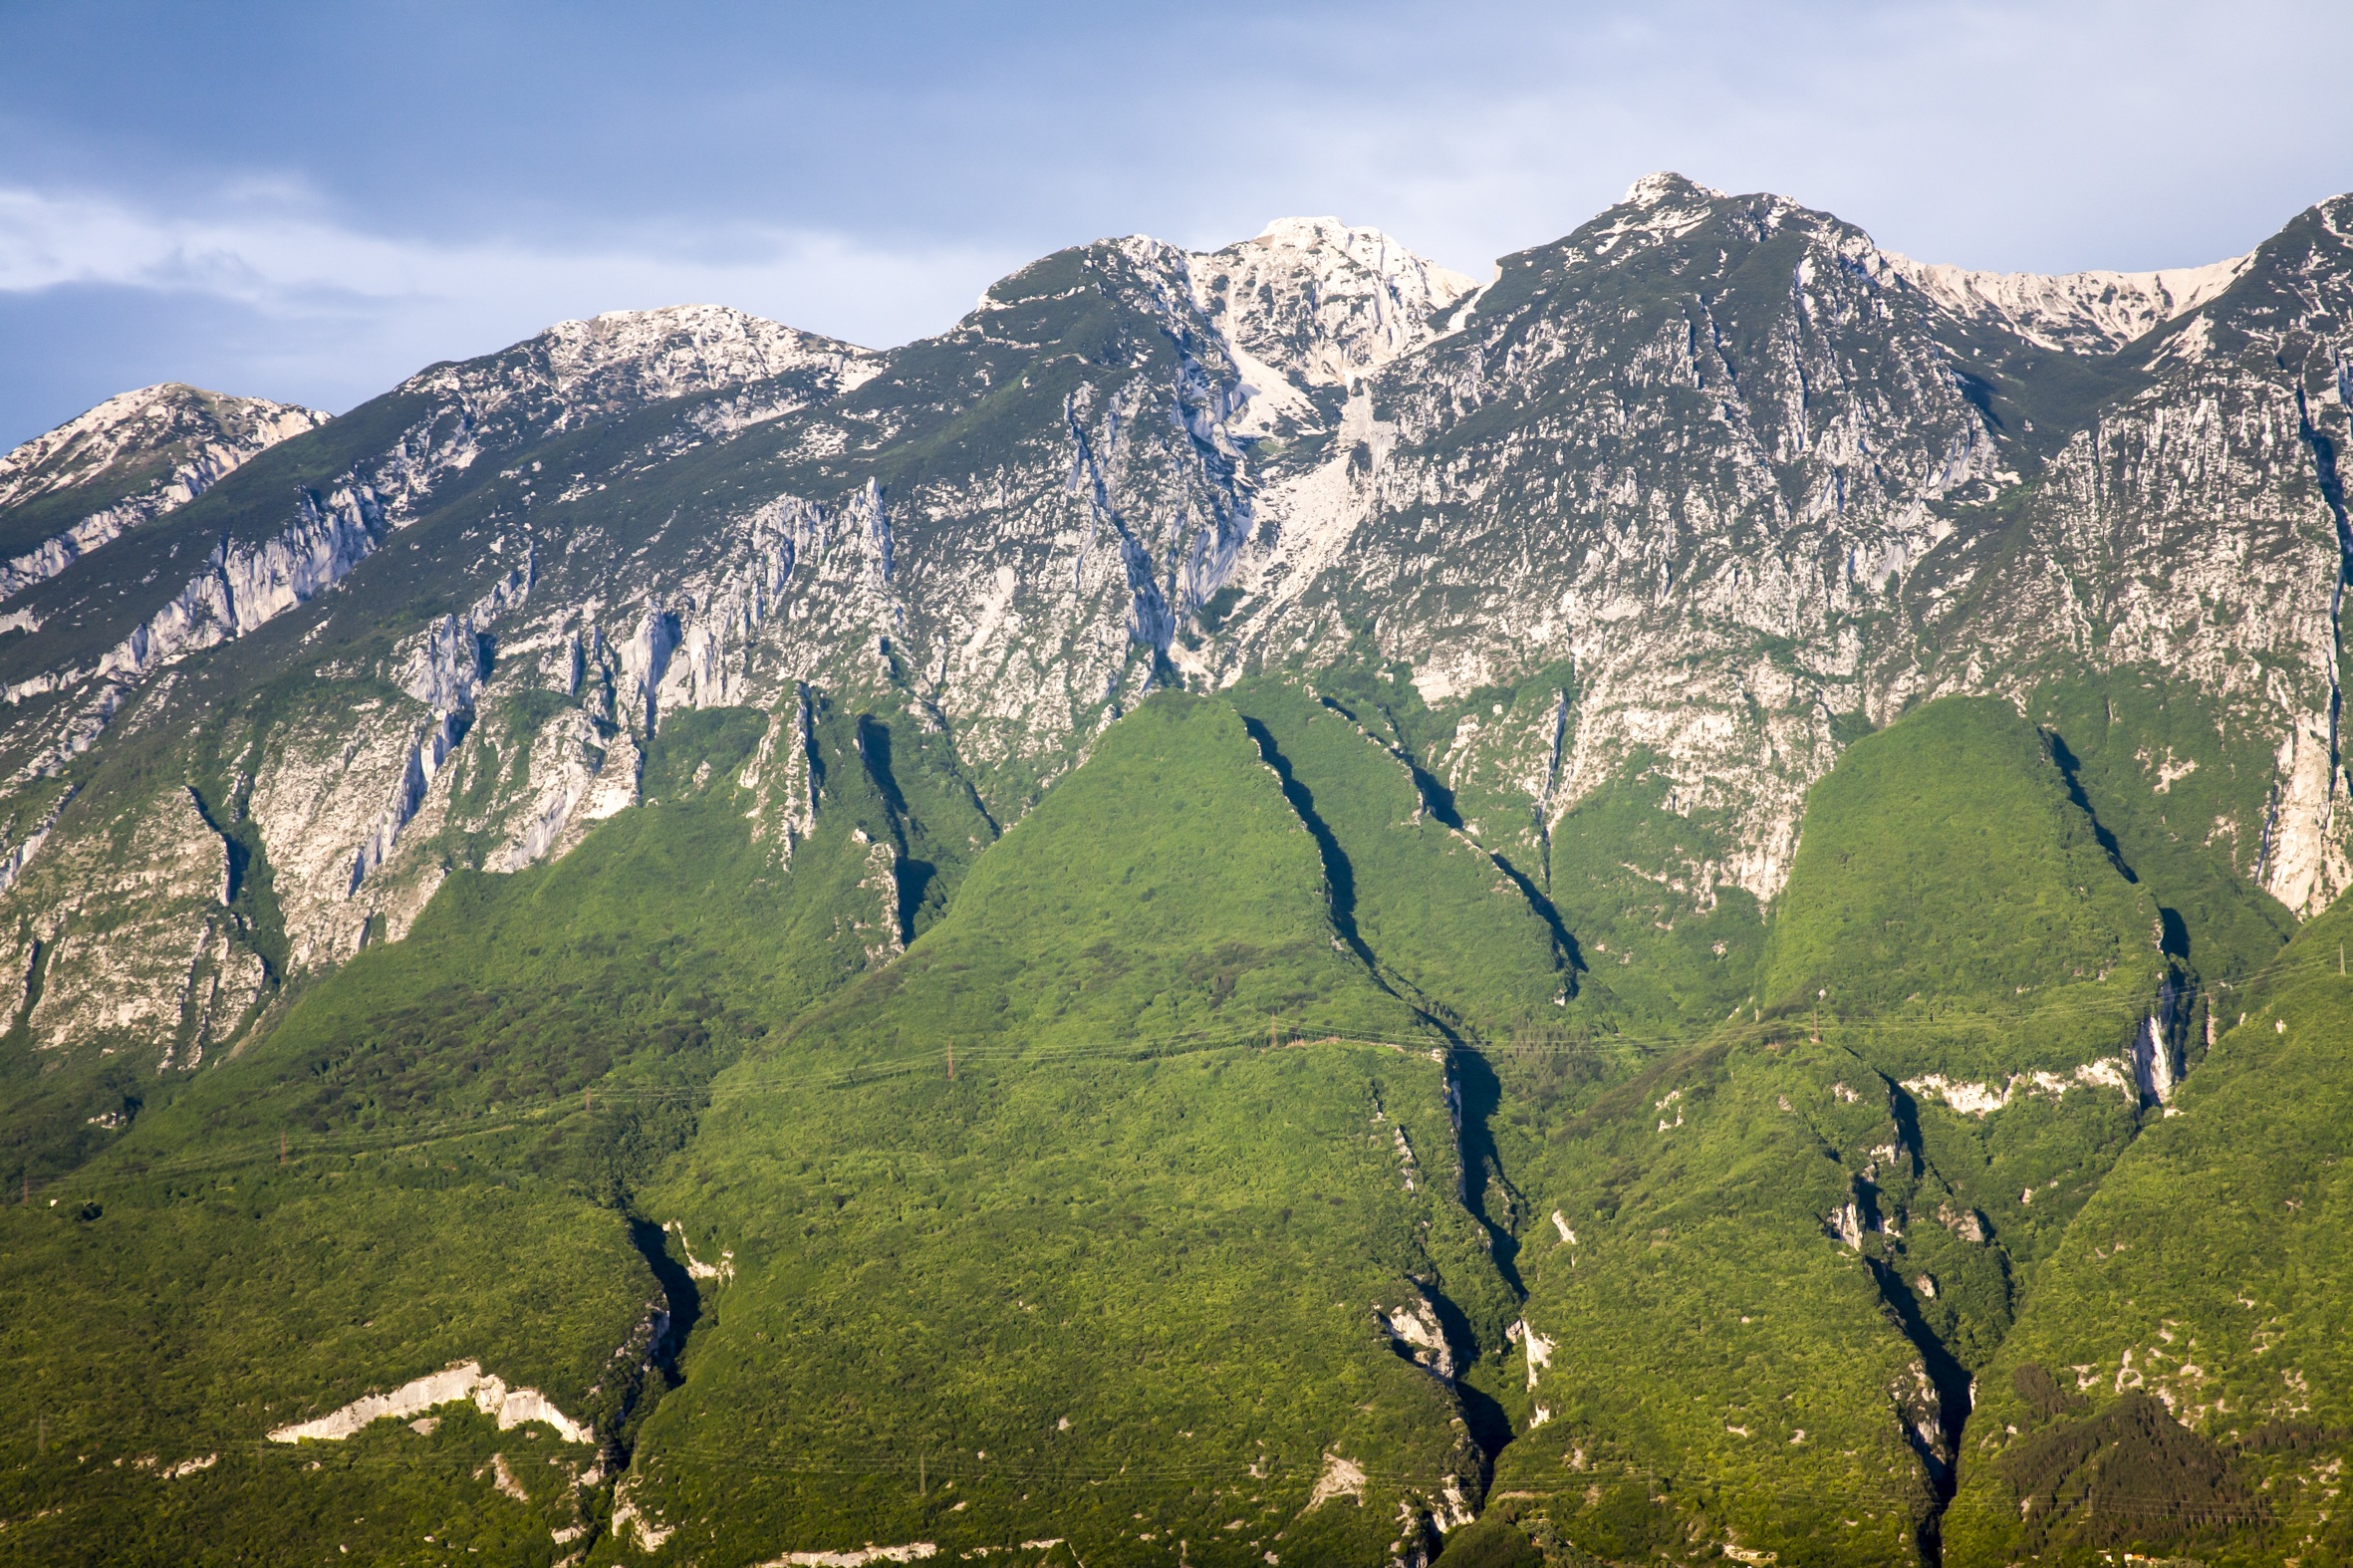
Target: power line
[[512, 1117], [1262, 1471]]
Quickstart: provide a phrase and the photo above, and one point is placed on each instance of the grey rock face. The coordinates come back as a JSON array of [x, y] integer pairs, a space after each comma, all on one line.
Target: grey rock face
[[131, 458], [1734, 468], [1668, 510]]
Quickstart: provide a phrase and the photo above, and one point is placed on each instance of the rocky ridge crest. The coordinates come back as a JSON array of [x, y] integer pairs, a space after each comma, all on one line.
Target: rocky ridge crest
[[1667, 512]]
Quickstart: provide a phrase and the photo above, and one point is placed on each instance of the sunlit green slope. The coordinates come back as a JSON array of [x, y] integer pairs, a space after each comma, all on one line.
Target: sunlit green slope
[[1450, 927], [2180, 1383], [1126, 1277], [435, 1159], [1238, 1109], [1767, 1267]]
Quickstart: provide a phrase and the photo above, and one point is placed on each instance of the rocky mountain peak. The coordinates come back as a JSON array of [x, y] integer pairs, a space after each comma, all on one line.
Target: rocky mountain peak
[[144, 424], [1323, 242], [124, 463], [1664, 207], [1663, 187], [685, 347], [1317, 302], [631, 357], [2079, 311]]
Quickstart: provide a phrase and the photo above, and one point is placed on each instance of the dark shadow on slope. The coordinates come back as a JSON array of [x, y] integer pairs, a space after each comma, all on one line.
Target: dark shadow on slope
[[1572, 957], [1489, 1424], [2071, 769], [684, 1304], [1905, 1112], [813, 752], [1338, 872], [1436, 796], [36, 981], [2332, 491], [1471, 1085], [677, 1286], [251, 886], [2324, 472], [1438, 800], [2174, 938], [1478, 1094], [922, 892], [235, 853], [1980, 393], [1952, 1384], [874, 749], [913, 874]]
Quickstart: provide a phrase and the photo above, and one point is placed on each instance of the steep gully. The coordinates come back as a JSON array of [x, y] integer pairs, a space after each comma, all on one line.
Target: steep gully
[[1473, 1095], [681, 1297], [672, 1320], [2332, 494], [1438, 801], [1954, 1385], [1938, 1447]]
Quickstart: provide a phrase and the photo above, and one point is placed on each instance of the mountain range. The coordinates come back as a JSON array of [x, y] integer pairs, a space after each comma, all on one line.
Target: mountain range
[[1262, 906]]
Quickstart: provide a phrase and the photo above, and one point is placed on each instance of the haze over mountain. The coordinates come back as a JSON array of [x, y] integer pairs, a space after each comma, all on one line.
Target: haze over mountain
[[1266, 904]]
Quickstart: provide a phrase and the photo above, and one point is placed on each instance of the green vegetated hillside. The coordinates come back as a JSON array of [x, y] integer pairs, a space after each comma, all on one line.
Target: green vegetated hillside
[[433, 1159], [2178, 1385], [1945, 870], [1453, 929], [2105, 736], [1260, 906], [1242, 1158], [1122, 1278], [1768, 1264]]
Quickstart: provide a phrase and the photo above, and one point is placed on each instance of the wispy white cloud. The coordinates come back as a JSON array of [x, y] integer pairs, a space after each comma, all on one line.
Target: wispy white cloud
[[878, 184], [2002, 133], [275, 257]]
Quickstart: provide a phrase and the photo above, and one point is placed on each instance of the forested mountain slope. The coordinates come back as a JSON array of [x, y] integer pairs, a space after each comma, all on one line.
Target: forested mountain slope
[[1256, 905]]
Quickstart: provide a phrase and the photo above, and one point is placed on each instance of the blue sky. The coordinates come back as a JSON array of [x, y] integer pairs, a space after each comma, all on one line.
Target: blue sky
[[309, 201]]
